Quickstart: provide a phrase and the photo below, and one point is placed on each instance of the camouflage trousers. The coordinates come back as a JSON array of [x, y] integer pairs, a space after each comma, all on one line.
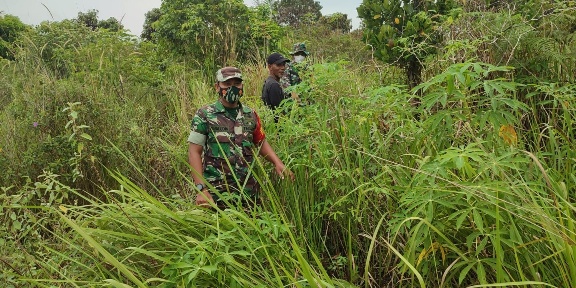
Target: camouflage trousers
[[229, 190]]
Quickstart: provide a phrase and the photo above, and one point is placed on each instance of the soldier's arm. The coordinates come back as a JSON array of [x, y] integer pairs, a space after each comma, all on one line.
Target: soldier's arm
[[197, 140], [268, 153], [195, 160]]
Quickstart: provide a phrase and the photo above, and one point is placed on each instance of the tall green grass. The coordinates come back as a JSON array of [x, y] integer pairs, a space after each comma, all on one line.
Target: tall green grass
[[474, 187]]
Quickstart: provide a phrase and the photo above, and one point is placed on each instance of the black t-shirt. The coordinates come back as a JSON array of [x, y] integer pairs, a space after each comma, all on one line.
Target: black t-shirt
[[272, 93]]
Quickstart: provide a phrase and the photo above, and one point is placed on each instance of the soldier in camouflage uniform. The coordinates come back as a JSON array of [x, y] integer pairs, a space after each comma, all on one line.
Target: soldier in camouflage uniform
[[291, 76], [223, 139]]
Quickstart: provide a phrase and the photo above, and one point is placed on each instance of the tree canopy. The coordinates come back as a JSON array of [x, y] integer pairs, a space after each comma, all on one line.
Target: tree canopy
[[404, 32], [150, 18], [10, 28], [337, 22], [214, 33], [296, 12], [90, 19]]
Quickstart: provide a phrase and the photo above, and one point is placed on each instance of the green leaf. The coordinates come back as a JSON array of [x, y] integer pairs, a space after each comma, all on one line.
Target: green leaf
[[17, 225], [481, 246], [115, 283], [86, 136], [461, 78], [192, 275], [481, 273], [210, 269], [106, 256], [449, 84], [459, 162], [461, 219], [241, 253], [464, 272], [488, 89], [478, 220]]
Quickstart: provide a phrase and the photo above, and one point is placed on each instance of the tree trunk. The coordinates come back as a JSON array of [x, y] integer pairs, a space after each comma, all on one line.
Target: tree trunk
[[414, 74]]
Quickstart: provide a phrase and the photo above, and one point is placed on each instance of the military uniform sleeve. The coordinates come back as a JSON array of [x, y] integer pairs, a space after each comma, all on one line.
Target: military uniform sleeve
[[259, 135], [293, 76], [199, 129]]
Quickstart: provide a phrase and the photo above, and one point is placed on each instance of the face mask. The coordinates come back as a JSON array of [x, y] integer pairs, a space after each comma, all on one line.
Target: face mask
[[299, 58], [232, 94]]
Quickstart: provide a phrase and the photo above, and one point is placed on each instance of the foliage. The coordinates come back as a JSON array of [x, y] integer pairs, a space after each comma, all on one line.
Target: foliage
[[331, 46], [405, 32], [90, 20], [111, 24], [208, 34], [537, 40], [296, 13], [28, 226], [471, 188], [533, 38], [468, 95], [10, 28], [49, 46], [265, 32], [150, 18], [337, 22], [71, 58], [168, 244]]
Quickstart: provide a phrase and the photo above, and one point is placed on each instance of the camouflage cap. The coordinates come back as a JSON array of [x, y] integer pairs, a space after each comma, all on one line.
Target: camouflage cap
[[228, 73], [299, 47]]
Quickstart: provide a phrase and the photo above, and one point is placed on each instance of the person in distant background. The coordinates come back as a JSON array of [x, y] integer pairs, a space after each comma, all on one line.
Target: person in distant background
[[223, 139], [291, 76], [272, 92]]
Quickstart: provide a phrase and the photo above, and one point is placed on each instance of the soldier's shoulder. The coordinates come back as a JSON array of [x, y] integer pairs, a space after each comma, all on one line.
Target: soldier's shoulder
[[247, 109], [213, 107], [203, 109]]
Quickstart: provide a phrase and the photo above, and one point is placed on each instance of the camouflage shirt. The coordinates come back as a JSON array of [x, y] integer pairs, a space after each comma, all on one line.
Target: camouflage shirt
[[290, 77], [229, 144]]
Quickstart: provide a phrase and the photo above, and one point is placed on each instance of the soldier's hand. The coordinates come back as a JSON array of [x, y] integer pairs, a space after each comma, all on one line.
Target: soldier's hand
[[204, 198], [282, 171]]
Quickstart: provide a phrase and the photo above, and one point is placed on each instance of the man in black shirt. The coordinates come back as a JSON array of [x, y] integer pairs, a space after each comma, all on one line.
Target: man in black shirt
[[272, 93]]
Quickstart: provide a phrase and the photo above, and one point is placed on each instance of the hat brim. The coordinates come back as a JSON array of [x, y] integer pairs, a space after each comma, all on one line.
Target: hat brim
[[305, 52], [228, 78], [283, 60]]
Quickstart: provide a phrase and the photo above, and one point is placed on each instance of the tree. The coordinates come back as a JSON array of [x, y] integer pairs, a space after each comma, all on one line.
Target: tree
[[404, 32], [10, 28], [90, 19], [296, 12], [111, 24], [264, 31], [337, 22], [150, 20], [211, 33]]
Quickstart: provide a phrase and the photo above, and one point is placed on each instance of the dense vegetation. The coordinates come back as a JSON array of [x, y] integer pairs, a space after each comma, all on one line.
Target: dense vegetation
[[466, 177]]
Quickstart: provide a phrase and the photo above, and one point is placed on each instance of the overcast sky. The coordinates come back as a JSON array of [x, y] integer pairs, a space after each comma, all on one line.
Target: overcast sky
[[129, 12]]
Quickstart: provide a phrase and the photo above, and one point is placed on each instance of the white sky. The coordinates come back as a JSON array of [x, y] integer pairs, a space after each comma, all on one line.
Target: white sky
[[129, 12]]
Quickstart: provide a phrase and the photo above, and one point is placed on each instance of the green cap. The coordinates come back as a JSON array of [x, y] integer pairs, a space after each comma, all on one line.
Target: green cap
[[299, 47]]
